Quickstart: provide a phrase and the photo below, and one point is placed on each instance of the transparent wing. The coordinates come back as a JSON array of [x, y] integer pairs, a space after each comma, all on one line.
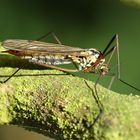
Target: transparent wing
[[42, 47]]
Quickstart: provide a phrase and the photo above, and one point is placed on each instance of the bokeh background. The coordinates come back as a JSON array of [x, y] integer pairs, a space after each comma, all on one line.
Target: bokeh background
[[79, 23]]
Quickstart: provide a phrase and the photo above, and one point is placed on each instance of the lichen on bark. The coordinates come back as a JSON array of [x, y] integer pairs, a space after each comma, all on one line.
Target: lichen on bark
[[61, 106]]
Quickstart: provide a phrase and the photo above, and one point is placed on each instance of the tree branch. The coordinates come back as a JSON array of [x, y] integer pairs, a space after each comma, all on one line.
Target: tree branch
[[61, 106]]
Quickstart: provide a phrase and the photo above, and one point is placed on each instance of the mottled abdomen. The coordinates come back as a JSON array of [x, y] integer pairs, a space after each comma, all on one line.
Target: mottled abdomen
[[51, 60]]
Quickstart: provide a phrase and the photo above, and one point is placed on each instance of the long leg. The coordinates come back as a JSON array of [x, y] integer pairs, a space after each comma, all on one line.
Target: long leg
[[55, 67], [53, 35], [18, 69], [10, 76], [111, 82], [118, 60], [112, 51], [97, 100], [109, 44]]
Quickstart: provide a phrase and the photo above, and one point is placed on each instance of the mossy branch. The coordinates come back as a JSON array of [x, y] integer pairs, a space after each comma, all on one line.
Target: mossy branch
[[61, 106]]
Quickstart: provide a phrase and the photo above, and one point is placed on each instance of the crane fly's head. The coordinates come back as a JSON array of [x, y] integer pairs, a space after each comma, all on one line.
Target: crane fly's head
[[103, 69]]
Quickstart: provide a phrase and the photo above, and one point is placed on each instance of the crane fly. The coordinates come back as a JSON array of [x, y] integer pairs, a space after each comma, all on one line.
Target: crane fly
[[50, 55]]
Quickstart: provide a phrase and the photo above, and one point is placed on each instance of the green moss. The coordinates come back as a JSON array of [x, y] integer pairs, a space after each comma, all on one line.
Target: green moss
[[62, 106]]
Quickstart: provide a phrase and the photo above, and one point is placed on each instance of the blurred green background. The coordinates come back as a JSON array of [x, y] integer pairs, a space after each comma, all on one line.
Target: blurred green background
[[81, 23]]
